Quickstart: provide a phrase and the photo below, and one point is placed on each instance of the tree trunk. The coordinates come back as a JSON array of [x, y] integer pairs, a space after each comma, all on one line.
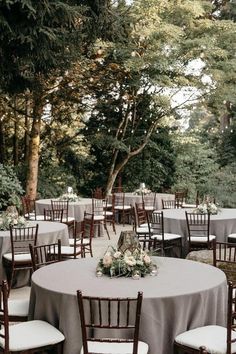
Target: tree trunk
[[2, 142], [32, 176], [26, 137], [15, 136]]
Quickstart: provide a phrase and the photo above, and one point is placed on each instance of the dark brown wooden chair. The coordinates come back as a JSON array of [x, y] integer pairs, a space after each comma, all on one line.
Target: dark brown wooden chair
[[84, 234], [45, 254], [29, 209], [121, 208], [18, 309], [224, 257], [98, 210], [141, 226], [211, 338], [109, 213], [19, 258], [168, 204], [98, 193], [28, 337], [109, 314], [64, 205], [168, 242], [180, 198], [55, 215], [198, 226], [149, 202]]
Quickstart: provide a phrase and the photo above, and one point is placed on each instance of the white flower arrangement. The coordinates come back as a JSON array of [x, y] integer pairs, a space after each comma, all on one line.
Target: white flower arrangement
[[133, 264], [142, 190], [207, 207], [11, 219], [71, 197]]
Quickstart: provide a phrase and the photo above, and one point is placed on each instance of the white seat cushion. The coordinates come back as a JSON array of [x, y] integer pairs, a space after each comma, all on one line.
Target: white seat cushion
[[18, 307], [108, 213], [149, 208], [144, 225], [69, 219], [67, 250], [120, 207], [202, 239], [115, 348], [142, 230], [98, 217], [32, 334], [22, 257], [167, 237], [232, 236], [212, 337], [78, 242]]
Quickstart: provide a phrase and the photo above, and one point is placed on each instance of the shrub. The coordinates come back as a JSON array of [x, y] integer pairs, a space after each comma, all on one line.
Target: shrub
[[10, 187]]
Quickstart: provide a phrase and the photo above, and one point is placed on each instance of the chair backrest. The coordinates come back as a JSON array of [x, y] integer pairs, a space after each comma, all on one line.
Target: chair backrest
[[198, 225], [88, 226], [140, 215], [168, 204], [4, 320], [45, 254], [119, 199], [98, 193], [110, 314], [97, 206], [224, 257], [156, 223], [28, 206], [21, 237], [149, 200], [53, 215], [61, 205], [180, 198]]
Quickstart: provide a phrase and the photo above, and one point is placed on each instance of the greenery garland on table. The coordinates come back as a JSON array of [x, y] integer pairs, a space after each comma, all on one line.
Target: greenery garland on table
[[71, 197]]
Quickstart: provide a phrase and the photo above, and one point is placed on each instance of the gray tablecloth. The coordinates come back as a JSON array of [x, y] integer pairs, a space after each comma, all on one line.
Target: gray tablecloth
[[221, 224], [48, 232], [184, 295], [76, 209], [131, 199]]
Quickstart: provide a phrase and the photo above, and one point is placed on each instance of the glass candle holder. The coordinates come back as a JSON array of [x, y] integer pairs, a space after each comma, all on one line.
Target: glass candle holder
[[136, 275], [154, 270]]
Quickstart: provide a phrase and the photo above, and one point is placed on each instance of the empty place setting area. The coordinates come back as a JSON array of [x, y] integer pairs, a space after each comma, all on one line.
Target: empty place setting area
[[118, 177]]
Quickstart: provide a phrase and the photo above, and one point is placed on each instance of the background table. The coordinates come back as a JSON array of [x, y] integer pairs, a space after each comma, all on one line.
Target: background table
[[76, 209], [184, 295], [48, 232], [131, 198], [221, 225]]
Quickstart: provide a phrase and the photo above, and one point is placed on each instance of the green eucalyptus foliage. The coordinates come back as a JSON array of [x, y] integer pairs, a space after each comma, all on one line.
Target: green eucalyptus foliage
[[10, 187]]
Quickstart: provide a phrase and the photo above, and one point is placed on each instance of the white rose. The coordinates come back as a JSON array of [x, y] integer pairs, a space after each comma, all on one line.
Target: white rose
[[117, 254], [130, 261]]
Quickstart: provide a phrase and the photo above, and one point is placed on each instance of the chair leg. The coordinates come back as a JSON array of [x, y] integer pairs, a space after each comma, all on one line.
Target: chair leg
[[105, 227]]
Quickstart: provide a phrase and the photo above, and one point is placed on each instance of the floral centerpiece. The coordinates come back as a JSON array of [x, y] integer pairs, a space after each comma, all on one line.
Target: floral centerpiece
[[207, 207], [8, 219], [142, 190], [136, 263], [69, 195]]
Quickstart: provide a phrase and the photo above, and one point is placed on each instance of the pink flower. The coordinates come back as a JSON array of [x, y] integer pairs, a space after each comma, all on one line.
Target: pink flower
[[107, 260], [147, 259]]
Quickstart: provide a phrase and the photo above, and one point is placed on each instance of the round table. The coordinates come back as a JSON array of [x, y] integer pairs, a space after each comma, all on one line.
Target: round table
[[184, 295], [131, 199], [221, 225], [48, 232], [76, 209]]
